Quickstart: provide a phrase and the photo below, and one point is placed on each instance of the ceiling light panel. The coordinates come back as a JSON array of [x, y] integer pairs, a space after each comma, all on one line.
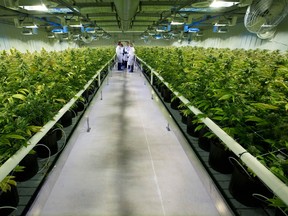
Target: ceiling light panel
[[34, 7], [221, 4]]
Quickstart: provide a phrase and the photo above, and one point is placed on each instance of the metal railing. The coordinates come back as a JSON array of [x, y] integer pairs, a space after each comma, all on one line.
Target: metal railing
[[13, 161], [278, 187]]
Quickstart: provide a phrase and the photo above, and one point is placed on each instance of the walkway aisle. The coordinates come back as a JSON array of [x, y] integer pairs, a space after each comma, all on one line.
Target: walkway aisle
[[129, 164]]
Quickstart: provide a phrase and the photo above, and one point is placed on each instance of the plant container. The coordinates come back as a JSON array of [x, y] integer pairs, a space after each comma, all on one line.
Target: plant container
[[9, 199], [243, 185], [50, 145], [219, 157], [31, 167]]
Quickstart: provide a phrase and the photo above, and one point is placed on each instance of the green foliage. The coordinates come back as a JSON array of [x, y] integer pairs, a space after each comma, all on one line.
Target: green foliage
[[35, 86], [245, 92], [6, 183]]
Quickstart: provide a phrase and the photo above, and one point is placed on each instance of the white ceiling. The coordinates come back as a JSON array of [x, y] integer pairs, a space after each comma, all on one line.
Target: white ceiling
[[116, 17]]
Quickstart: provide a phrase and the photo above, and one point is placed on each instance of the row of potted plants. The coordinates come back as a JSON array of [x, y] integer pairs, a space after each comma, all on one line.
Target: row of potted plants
[[237, 89], [35, 86]]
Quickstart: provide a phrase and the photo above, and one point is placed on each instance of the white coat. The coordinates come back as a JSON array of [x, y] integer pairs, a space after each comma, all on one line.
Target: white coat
[[119, 53], [125, 53], [131, 55]]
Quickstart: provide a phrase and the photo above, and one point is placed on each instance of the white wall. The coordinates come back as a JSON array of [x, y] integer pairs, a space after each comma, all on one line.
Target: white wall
[[11, 37]]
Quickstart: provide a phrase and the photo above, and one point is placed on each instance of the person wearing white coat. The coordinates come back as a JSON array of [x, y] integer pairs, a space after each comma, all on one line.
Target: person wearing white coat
[[125, 55], [119, 55], [131, 58]]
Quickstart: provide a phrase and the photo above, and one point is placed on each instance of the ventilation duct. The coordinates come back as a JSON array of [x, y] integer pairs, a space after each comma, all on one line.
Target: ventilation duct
[[126, 10]]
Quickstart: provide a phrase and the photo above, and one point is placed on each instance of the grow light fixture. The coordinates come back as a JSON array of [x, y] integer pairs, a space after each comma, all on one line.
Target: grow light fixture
[[79, 25], [74, 24], [220, 24], [41, 7], [190, 29], [90, 30], [59, 10], [232, 21], [65, 36], [29, 31], [163, 28], [26, 31], [221, 4], [177, 22], [157, 36], [220, 29], [50, 35], [26, 23], [57, 31]]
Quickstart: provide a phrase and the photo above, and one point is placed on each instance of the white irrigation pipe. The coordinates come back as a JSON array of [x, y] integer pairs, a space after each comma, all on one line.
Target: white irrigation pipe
[[13, 161], [268, 178]]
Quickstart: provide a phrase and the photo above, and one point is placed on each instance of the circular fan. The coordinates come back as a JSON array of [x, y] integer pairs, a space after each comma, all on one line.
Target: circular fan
[[262, 16], [244, 3], [267, 35]]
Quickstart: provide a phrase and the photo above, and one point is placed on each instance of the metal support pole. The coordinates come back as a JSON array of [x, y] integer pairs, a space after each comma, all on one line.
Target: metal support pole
[[88, 125], [168, 127], [99, 79], [101, 98]]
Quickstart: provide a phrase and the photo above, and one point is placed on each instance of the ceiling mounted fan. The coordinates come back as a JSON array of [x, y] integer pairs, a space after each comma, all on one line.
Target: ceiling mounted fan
[[263, 16]]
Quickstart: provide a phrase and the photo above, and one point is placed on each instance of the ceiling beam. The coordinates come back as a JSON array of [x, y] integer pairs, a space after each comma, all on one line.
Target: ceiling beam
[[71, 7]]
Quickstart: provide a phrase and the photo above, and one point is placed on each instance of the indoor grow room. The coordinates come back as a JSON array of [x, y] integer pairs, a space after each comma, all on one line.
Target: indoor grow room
[[198, 128]]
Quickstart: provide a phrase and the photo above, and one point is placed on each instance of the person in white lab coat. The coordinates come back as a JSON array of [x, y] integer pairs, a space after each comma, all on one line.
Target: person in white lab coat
[[125, 55], [119, 55], [131, 58]]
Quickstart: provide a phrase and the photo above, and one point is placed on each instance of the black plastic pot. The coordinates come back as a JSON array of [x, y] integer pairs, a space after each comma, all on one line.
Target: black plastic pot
[[66, 119], [242, 186], [183, 118], [31, 168], [175, 103], [9, 199], [80, 106], [59, 133], [191, 126], [219, 157], [50, 144], [95, 83], [204, 142], [167, 95], [280, 212], [85, 95]]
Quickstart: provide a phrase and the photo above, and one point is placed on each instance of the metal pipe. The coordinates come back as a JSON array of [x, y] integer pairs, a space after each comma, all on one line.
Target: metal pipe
[[278, 187]]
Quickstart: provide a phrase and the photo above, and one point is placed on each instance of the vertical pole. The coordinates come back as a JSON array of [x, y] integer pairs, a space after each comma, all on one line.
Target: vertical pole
[[109, 69], [88, 125], [99, 79], [151, 77], [168, 127]]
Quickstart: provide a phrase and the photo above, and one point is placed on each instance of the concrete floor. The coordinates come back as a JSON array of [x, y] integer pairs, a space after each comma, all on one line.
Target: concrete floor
[[129, 163]]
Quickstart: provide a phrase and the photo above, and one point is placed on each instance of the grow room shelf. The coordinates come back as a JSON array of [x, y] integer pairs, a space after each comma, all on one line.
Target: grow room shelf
[[129, 163], [221, 180]]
